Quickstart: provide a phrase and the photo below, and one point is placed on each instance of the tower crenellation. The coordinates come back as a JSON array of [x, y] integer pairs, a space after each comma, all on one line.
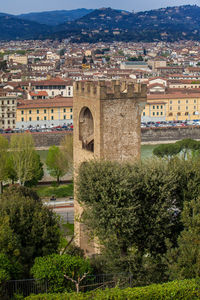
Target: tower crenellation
[[110, 90]]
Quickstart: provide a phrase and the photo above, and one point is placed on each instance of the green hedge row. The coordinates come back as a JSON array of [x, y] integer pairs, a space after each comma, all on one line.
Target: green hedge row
[[183, 289]]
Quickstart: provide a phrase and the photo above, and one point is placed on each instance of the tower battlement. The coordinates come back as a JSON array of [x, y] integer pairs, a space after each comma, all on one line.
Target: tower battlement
[[110, 90]]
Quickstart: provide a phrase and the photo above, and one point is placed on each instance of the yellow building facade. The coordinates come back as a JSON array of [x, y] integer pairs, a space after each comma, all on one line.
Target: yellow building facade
[[172, 107], [45, 113]]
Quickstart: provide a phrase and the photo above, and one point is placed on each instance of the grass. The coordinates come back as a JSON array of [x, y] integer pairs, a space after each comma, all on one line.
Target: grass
[[60, 191], [147, 151]]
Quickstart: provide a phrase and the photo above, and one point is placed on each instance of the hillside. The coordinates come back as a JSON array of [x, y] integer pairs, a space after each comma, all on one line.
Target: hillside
[[53, 18], [106, 24], [12, 28], [168, 24]]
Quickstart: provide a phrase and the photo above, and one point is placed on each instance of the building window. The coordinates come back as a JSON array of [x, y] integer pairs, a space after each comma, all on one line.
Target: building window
[[195, 101], [30, 119], [45, 118], [186, 108], [161, 113], [52, 93], [13, 121], [161, 107], [178, 114], [170, 114], [153, 113], [186, 101], [170, 102], [61, 93], [64, 117], [22, 112], [30, 111], [38, 118], [70, 116], [51, 117], [157, 106], [13, 102], [51, 110], [2, 102], [70, 109], [170, 108], [8, 121], [194, 107], [153, 106], [38, 111], [64, 110], [45, 111], [157, 113], [22, 119], [179, 101], [186, 113], [143, 113], [179, 107], [8, 102]]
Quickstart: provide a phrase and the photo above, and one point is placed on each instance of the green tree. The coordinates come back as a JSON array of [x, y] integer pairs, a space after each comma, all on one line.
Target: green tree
[[38, 170], [184, 261], [24, 158], [130, 207], [32, 229], [67, 151], [59, 270], [187, 146], [3, 160], [57, 163], [167, 150], [3, 65]]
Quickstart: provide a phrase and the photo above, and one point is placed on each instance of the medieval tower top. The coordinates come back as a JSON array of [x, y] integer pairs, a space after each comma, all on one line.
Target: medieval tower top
[[107, 125]]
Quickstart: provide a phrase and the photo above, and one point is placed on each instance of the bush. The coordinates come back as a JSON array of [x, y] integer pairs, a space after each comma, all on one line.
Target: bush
[[177, 290], [54, 267]]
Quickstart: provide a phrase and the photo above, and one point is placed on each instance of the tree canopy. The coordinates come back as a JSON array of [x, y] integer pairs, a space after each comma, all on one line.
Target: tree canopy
[[28, 228]]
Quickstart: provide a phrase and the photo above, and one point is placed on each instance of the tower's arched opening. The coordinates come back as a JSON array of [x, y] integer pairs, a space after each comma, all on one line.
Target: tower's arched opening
[[86, 129]]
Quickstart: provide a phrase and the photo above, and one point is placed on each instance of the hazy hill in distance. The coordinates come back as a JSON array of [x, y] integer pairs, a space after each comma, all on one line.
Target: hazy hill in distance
[[55, 17], [106, 24], [12, 28]]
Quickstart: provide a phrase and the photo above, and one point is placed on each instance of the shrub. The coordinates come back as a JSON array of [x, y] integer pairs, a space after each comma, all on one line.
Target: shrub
[[54, 267], [177, 290]]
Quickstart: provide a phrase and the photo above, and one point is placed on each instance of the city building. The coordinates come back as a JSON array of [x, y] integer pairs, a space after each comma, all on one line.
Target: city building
[[8, 105], [44, 113]]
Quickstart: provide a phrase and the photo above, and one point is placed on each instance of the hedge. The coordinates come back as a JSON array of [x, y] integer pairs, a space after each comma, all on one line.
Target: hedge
[[177, 290]]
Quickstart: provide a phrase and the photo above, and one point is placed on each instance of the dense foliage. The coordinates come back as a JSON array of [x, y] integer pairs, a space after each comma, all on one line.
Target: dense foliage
[[133, 209], [57, 164], [176, 290], [185, 147], [55, 268], [28, 229]]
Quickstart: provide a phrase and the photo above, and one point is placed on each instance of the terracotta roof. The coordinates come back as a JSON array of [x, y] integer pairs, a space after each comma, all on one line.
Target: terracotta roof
[[55, 102], [172, 96], [39, 93]]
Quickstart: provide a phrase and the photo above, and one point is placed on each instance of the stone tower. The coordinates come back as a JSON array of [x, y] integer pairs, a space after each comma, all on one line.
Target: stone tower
[[106, 125]]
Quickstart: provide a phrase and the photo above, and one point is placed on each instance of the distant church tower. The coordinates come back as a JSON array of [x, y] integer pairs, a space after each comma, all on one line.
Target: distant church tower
[[107, 125]]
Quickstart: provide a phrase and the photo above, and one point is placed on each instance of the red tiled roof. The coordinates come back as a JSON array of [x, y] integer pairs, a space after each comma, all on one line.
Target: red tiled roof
[[55, 102], [39, 93], [172, 96]]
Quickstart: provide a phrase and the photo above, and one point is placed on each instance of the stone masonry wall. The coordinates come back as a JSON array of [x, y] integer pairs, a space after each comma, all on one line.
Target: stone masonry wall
[[47, 139]]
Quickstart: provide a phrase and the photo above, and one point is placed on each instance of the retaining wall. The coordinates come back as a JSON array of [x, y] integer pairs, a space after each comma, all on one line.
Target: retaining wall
[[47, 139]]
